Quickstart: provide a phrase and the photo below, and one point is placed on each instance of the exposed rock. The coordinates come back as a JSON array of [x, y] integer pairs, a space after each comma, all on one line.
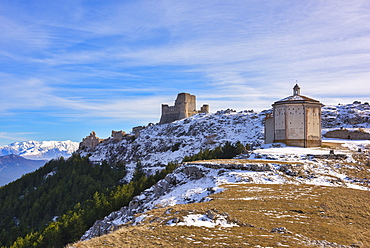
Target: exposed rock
[[347, 134], [280, 230], [143, 202], [210, 214]]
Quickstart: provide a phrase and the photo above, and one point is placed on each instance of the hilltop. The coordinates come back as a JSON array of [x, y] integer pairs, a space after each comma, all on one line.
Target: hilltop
[[197, 182], [158, 145]]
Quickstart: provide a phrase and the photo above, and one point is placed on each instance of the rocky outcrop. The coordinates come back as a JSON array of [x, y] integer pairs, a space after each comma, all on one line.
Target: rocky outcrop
[[144, 201], [186, 173], [348, 134], [354, 115]]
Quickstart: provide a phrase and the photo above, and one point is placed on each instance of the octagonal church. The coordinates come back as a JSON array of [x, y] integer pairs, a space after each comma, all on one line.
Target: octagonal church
[[295, 121]]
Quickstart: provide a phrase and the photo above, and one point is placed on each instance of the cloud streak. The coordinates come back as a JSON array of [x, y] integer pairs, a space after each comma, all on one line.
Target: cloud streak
[[121, 60]]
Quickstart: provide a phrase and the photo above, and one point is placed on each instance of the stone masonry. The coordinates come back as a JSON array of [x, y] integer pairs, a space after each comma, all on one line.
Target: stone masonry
[[90, 141], [185, 106]]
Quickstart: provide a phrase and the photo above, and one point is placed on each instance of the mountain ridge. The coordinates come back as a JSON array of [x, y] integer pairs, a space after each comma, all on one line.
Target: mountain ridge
[[13, 166], [27, 153], [44, 150]]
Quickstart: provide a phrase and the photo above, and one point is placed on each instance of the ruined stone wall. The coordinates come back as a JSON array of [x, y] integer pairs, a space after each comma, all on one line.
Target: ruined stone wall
[[90, 141], [118, 135], [136, 130], [185, 106]]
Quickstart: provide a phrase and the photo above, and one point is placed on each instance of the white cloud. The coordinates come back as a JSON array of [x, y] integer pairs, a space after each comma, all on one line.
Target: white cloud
[[123, 59]]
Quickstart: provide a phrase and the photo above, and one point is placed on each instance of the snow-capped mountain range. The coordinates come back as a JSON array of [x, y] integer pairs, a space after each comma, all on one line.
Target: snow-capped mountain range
[[20, 158], [44, 150]]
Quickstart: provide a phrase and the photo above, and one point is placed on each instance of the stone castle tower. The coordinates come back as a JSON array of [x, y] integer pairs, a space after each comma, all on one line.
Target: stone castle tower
[[90, 141], [185, 106], [295, 121]]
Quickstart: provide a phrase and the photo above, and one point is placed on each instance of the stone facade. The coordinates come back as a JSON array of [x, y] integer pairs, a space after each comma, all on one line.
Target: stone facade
[[185, 106], [90, 141], [295, 121]]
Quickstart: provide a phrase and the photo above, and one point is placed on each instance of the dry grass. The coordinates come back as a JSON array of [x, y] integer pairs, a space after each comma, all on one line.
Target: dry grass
[[333, 145], [339, 215]]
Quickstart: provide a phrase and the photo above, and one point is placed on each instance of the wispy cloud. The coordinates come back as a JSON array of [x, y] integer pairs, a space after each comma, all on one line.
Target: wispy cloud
[[121, 60], [15, 136]]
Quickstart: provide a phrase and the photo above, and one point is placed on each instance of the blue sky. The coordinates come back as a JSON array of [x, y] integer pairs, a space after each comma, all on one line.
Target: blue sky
[[71, 67]]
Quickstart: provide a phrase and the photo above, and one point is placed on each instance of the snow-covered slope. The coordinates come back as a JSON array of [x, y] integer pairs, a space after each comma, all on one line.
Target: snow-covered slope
[[44, 150], [354, 115], [159, 144]]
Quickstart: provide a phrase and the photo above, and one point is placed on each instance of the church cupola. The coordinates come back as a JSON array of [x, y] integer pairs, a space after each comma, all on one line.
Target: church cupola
[[296, 90]]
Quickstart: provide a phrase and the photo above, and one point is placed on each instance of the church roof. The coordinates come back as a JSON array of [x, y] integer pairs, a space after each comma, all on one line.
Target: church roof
[[297, 98]]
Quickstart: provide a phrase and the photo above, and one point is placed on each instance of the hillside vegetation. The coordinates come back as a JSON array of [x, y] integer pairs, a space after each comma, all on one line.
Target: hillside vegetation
[[57, 203]]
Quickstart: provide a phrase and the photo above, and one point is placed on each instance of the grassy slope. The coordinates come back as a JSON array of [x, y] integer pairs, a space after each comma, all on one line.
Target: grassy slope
[[309, 213]]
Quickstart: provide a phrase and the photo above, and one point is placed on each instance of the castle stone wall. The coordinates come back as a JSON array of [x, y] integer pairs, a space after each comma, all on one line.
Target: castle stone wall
[[118, 135], [185, 106], [90, 141]]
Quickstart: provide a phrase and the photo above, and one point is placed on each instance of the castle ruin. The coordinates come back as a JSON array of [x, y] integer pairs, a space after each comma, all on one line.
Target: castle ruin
[[90, 141], [295, 121], [118, 135], [185, 106]]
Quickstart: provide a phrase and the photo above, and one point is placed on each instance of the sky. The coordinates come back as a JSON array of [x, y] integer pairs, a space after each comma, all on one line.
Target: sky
[[69, 67]]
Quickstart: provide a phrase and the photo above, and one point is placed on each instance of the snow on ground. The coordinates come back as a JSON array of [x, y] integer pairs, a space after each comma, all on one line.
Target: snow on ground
[[290, 150], [316, 172], [202, 220], [352, 145]]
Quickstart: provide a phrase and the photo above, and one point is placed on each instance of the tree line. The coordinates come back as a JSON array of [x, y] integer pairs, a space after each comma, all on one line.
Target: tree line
[[226, 151], [56, 204]]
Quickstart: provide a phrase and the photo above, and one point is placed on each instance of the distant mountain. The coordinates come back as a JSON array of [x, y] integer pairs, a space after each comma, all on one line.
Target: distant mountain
[[14, 166], [44, 150]]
